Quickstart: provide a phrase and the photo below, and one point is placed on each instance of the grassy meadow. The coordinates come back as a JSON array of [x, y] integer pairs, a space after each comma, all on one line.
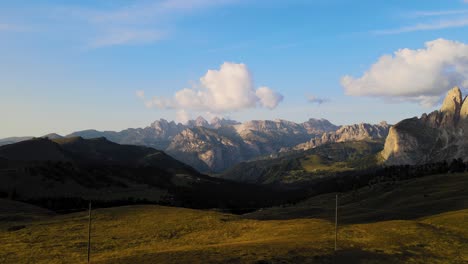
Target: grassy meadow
[[156, 234]]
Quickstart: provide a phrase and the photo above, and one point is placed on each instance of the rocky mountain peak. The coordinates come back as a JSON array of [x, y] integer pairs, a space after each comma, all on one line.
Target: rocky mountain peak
[[384, 123], [453, 101], [200, 121], [215, 120], [440, 135], [464, 109]]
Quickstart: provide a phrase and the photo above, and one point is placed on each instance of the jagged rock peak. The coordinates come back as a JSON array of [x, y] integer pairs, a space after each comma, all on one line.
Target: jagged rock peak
[[216, 119], [384, 123], [464, 109], [437, 136], [200, 121], [453, 101]]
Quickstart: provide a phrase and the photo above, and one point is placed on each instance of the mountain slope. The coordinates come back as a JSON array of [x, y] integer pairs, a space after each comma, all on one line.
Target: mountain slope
[[440, 135], [303, 166], [83, 168], [11, 140], [66, 172], [388, 200]]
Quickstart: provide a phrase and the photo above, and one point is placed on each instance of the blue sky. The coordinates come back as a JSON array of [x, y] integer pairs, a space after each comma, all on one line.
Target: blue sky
[[74, 65]]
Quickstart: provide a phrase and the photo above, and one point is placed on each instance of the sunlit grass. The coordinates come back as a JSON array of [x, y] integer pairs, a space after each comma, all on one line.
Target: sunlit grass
[[154, 234], [315, 163]]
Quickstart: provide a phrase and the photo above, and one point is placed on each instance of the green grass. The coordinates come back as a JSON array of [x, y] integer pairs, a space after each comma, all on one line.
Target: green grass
[[316, 163], [155, 234]]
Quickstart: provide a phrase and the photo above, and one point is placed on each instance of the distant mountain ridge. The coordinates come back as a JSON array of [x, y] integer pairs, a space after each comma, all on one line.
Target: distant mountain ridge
[[221, 143], [356, 132]]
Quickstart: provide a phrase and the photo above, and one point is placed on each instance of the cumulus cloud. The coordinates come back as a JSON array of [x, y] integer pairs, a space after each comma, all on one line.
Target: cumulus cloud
[[159, 102], [140, 94], [317, 100], [268, 98], [230, 88], [421, 75], [183, 116]]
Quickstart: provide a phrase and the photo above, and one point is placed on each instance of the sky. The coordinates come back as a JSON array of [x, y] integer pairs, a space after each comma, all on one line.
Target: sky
[[71, 65]]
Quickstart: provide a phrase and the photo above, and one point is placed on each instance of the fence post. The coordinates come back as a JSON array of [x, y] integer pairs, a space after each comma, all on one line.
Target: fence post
[[89, 233], [336, 222]]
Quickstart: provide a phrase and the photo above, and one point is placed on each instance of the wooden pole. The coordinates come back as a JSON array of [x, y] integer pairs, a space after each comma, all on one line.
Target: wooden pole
[[336, 222], [89, 233]]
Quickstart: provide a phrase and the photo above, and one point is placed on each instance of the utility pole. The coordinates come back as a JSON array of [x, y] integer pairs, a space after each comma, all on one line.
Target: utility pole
[[336, 222], [89, 233]]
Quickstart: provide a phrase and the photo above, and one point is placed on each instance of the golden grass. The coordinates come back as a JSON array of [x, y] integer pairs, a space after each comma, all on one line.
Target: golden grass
[[155, 234], [314, 163]]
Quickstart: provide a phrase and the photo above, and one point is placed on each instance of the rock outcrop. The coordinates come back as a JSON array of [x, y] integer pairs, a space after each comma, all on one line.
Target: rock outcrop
[[356, 132], [440, 135]]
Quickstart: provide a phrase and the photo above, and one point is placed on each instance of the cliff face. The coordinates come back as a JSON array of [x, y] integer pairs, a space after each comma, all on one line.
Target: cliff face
[[440, 135], [226, 143], [205, 149], [356, 132]]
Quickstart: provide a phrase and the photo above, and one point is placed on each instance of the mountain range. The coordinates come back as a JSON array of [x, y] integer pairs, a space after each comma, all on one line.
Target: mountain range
[[213, 147], [440, 136], [220, 144]]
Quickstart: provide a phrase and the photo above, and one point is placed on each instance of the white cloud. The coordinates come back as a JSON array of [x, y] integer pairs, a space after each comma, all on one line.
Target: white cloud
[[159, 102], [183, 116], [436, 25], [268, 98], [317, 100], [141, 22], [126, 36], [150, 11], [140, 94], [231, 88], [421, 75], [438, 13]]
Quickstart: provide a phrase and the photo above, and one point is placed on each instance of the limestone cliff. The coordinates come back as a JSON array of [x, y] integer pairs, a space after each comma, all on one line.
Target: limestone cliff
[[440, 135], [356, 132]]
